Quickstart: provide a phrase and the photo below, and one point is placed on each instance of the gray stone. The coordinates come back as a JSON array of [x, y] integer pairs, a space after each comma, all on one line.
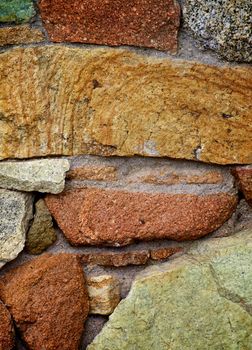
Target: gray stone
[[15, 215], [42, 175], [201, 301], [222, 25]]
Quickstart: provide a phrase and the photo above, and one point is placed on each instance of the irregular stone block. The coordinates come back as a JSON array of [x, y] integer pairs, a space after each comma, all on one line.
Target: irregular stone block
[[16, 10], [41, 234], [184, 109], [137, 257], [20, 35], [114, 22], [222, 26], [7, 337], [43, 175], [48, 301], [198, 301], [104, 294], [116, 217], [244, 177], [15, 215], [164, 253]]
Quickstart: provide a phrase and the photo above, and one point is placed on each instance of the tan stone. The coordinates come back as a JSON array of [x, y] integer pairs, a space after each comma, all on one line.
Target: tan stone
[[104, 294], [164, 253], [20, 35], [59, 100], [88, 172]]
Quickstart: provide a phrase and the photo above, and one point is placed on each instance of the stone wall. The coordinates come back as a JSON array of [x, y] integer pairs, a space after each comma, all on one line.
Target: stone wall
[[125, 175]]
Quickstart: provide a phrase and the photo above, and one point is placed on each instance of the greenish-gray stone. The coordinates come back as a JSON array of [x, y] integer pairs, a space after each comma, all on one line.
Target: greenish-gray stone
[[200, 301], [41, 234], [224, 26], [18, 11]]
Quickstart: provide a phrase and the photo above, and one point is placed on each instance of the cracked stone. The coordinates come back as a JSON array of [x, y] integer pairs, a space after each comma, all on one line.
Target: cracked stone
[[114, 22], [201, 300], [15, 215], [48, 301], [113, 118]]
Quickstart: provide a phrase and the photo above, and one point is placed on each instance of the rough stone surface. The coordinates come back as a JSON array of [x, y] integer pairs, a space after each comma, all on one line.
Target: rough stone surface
[[48, 301], [223, 26], [42, 175], [198, 301], [20, 35], [244, 177], [164, 253], [116, 259], [15, 215], [185, 110], [16, 10], [115, 22], [6, 329], [41, 234], [89, 172], [115, 217], [104, 294]]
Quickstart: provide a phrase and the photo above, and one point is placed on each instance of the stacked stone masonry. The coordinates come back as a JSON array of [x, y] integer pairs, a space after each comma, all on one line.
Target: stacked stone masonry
[[125, 174]]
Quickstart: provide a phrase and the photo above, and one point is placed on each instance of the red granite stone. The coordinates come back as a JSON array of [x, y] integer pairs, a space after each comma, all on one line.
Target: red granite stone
[[7, 340], [48, 301], [148, 23], [244, 178], [115, 217]]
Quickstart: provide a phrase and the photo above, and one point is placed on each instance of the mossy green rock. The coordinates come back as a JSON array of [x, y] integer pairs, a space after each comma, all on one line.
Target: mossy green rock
[[17, 11], [200, 301], [41, 234]]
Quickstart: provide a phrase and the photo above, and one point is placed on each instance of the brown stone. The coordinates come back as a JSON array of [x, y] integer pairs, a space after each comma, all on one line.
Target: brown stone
[[244, 177], [104, 294], [133, 22], [137, 257], [116, 217], [164, 253], [6, 329], [184, 109], [20, 35], [88, 172], [48, 301]]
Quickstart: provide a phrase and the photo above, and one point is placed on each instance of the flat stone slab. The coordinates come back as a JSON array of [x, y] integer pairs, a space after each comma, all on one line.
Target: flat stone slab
[[17, 11], [43, 175], [199, 301], [223, 26], [15, 214], [24, 34], [133, 22], [185, 110]]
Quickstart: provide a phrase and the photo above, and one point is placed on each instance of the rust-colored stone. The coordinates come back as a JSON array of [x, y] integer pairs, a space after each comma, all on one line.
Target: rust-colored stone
[[115, 217], [137, 257], [20, 35], [88, 172], [164, 253], [6, 329], [133, 22], [244, 177], [48, 301]]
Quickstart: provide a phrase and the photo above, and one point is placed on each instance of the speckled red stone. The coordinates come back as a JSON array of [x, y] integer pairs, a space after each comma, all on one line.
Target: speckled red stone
[[147, 23], [114, 217], [6, 329], [244, 178]]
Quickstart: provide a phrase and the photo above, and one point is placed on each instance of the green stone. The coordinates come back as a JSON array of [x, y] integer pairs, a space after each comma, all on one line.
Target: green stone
[[200, 301], [41, 234], [18, 11]]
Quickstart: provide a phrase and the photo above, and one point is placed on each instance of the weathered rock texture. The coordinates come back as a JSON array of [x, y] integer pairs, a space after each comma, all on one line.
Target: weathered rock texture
[[200, 301], [223, 26], [104, 294], [65, 101], [6, 329], [16, 10], [20, 35], [15, 215], [116, 259], [117, 217], [48, 301], [41, 234], [43, 175], [114, 22], [244, 177]]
